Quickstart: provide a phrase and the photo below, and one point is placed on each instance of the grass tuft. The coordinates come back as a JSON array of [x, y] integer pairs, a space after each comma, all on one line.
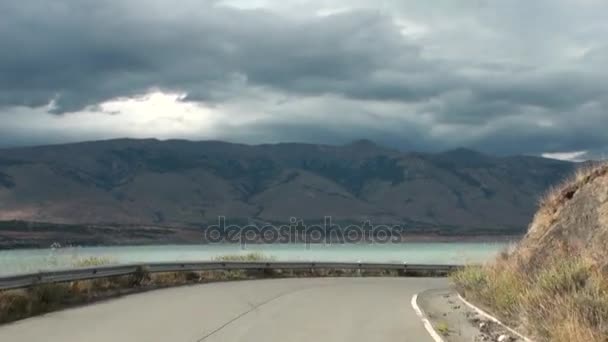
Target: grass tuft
[[92, 261], [253, 256], [443, 328]]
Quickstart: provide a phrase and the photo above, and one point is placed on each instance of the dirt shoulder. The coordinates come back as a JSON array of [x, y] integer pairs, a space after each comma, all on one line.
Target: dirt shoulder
[[456, 322]]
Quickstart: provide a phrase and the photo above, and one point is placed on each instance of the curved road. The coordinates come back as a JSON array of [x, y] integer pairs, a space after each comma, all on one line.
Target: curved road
[[305, 309]]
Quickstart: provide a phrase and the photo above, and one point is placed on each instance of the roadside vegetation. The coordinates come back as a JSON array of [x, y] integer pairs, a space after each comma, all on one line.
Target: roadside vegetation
[[253, 256], [35, 300], [443, 328], [550, 287], [92, 261]]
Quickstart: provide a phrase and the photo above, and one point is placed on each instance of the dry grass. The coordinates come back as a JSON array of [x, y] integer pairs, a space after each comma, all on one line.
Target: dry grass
[[253, 256], [554, 200], [557, 195], [551, 288], [22, 303], [92, 261], [442, 328], [35, 300], [567, 301]]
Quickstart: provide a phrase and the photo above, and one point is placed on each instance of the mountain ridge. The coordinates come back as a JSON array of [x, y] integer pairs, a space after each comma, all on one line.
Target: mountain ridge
[[191, 183]]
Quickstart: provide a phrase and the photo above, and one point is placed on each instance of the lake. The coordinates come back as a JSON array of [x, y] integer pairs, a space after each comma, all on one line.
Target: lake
[[32, 260]]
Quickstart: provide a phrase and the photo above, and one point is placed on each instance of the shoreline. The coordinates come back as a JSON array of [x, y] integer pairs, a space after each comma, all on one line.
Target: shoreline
[[37, 235], [487, 239]]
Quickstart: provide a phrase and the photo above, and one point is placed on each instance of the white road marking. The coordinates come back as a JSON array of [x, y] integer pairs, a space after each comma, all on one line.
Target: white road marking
[[427, 324], [493, 319]]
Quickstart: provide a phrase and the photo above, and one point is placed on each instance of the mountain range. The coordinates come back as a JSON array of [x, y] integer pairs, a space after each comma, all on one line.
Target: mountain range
[[178, 183]]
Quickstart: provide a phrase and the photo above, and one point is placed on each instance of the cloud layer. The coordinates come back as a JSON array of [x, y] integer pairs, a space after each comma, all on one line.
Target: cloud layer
[[504, 77]]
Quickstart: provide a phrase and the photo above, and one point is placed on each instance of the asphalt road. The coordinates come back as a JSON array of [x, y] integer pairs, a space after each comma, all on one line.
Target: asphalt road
[[306, 309]]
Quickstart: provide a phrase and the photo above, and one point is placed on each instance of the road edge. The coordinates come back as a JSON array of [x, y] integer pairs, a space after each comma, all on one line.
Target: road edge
[[425, 321], [493, 319]]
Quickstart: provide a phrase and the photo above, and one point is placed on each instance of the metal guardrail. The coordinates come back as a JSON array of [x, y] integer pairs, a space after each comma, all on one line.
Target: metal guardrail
[[68, 275]]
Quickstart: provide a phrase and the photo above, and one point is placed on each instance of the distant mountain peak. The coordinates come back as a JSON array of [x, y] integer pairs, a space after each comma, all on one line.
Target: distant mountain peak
[[366, 145], [463, 151], [369, 147], [363, 143]]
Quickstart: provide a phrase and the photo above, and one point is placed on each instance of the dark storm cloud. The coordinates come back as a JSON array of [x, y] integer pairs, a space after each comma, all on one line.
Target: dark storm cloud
[[80, 53], [475, 78]]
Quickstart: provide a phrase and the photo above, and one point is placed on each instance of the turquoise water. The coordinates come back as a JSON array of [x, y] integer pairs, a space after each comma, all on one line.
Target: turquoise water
[[32, 260]]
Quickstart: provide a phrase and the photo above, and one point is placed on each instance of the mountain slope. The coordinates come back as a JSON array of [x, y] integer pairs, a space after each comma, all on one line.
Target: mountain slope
[[553, 285], [183, 183]]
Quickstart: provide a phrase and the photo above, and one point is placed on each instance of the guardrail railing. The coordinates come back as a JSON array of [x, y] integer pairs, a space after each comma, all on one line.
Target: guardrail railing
[[68, 275]]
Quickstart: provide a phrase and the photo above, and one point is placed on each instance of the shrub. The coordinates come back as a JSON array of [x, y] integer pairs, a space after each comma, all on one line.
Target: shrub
[[48, 296], [253, 256], [471, 279], [140, 276], [443, 328], [92, 261], [13, 305]]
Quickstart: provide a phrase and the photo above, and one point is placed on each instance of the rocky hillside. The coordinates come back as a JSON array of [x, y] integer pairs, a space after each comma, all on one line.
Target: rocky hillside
[[554, 284], [573, 218], [183, 183]]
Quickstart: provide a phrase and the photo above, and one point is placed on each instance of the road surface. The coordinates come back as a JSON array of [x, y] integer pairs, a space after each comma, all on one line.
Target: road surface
[[277, 310]]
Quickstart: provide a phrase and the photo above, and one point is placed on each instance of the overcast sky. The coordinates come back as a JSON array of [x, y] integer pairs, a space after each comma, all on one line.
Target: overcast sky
[[503, 77]]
